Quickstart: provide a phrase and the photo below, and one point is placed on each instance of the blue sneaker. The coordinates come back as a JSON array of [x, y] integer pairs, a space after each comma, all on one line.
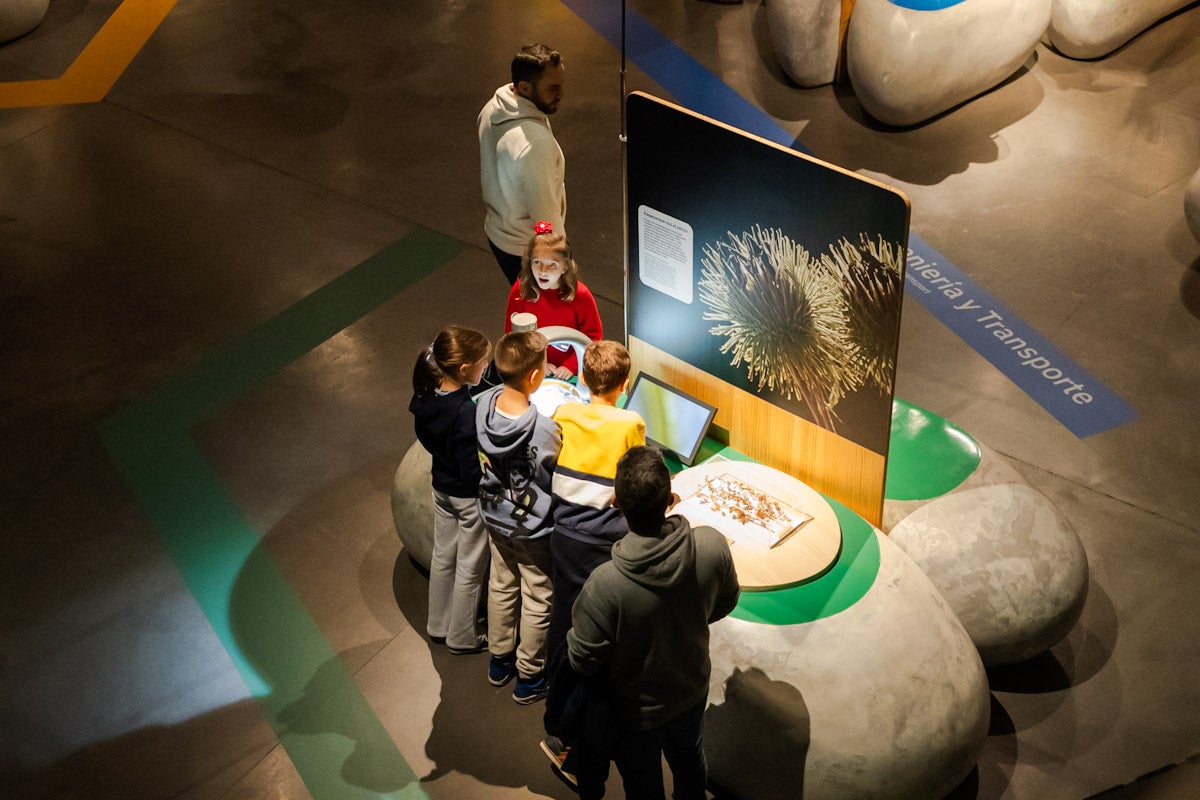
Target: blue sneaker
[[502, 669], [530, 690]]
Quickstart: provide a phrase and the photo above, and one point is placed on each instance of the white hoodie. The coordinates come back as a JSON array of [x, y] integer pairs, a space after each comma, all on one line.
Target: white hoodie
[[522, 170]]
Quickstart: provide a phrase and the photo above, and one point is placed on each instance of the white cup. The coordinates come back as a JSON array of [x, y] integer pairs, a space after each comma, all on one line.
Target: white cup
[[523, 321]]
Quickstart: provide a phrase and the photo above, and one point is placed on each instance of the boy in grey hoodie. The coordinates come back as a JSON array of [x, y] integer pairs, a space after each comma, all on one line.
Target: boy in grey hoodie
[[520, 449]]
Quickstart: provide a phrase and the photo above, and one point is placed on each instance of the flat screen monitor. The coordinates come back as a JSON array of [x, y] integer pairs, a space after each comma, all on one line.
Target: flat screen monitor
[[675, 421]]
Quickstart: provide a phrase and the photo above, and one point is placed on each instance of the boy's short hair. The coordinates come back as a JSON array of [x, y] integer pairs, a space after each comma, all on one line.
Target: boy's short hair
[[605, 366], [643, 489], [519, 353]]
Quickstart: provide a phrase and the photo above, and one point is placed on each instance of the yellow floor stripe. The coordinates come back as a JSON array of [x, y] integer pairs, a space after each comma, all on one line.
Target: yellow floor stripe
[[100, 64]]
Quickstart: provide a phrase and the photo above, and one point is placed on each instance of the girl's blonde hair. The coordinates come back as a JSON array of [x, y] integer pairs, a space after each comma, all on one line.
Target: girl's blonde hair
[[570, 277], [452, 349]]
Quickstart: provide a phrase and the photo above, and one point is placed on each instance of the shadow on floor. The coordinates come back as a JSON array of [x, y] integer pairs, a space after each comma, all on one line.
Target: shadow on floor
[[471, 711], [1074, 660], [212, 749]]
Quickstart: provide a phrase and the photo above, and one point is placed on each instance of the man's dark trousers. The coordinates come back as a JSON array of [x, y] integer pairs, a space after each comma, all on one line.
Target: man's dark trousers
[[638, 756]]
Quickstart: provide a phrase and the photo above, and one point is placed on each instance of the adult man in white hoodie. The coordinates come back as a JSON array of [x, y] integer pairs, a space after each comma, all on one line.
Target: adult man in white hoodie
[[521, 166]]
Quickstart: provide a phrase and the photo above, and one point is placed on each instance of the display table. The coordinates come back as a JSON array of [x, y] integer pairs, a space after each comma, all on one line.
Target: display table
[[803, 555], [854, 676]]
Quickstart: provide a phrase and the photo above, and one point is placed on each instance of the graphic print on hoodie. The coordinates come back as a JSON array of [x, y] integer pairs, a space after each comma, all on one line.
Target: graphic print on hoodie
[[519, 456]]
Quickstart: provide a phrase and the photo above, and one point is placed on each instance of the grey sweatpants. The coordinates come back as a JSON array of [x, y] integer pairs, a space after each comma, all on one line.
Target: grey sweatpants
[[457, 570]]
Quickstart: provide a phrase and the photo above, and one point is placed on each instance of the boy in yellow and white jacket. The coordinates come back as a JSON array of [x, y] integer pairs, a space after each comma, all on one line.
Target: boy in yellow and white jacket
[[594, 437]]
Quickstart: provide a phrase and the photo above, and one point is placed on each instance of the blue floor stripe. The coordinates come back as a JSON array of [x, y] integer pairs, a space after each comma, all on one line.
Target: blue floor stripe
[[690, 83], [1063, 388]]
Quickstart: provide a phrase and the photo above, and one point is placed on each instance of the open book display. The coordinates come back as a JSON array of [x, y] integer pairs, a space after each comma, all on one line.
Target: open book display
[[744, 514], [758, 509]]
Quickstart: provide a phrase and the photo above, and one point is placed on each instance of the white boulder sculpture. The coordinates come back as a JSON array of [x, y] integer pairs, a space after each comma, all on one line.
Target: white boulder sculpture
[[907, 64], [1002, 555], [910, 60], [1191, 205], [1094, 28], [887, 698], [1007, 562], [19, 17], [412, 504], [806, 35]]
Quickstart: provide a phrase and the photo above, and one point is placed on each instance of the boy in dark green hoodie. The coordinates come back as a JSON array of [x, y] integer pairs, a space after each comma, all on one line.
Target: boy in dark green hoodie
[[640, 627]]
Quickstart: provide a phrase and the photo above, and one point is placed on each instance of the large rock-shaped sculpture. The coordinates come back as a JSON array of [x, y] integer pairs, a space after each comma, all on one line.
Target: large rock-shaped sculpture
[[1191, 205], [910, 60], [412, 504], [908, 64], [1094, 28], [868, 681], [19, 17], [806, 36], [1005, 559], [1007, 562], [887, 698]]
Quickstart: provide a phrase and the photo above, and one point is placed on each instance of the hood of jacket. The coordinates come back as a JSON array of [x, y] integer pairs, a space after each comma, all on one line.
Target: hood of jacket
[[510, 106], [657, 561], [501, 436]]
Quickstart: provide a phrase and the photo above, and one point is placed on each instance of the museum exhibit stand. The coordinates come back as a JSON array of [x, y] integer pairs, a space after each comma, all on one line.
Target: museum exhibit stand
[[885, 555], [865, 678]]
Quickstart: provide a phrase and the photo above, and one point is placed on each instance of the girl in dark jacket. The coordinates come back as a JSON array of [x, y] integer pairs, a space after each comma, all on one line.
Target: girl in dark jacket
[[445, 423]]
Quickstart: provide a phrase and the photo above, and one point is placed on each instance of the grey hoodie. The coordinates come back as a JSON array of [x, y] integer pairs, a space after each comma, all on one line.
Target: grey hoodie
[[642, 620], [519, 457]]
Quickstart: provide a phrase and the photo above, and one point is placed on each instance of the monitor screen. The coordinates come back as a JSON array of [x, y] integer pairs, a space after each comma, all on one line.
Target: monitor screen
[[675, 421]]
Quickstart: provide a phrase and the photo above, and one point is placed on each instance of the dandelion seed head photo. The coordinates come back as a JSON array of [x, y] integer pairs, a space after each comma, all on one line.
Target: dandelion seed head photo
[[870, 274], [782, 314]]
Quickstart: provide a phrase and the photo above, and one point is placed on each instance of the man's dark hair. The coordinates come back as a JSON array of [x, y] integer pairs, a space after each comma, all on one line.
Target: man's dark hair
[[643, 489], [531, 61]]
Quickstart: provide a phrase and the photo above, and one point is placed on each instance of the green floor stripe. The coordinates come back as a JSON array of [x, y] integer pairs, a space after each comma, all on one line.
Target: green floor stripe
[[334, 739], [295, 331]]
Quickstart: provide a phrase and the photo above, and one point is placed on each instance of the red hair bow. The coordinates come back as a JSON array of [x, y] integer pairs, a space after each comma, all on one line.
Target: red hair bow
[[542, 226]]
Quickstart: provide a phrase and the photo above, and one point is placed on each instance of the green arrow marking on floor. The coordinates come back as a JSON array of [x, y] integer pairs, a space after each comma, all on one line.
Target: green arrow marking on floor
[[293, 672]]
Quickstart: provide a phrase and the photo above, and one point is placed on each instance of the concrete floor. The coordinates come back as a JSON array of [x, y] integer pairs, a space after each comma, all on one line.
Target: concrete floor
[[158, 403]]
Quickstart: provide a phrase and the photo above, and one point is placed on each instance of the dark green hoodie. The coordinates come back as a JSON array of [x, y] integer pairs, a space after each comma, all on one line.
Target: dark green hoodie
[[641, 621]]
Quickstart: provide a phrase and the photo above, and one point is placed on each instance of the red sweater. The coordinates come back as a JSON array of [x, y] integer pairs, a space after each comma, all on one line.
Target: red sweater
[[550, 309]]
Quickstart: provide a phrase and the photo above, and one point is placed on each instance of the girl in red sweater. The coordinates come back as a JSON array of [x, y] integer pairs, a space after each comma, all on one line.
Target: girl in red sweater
[[549, 288]]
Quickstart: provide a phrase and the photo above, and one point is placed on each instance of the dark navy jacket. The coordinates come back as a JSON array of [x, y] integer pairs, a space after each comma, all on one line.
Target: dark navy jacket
[[446, 427]]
